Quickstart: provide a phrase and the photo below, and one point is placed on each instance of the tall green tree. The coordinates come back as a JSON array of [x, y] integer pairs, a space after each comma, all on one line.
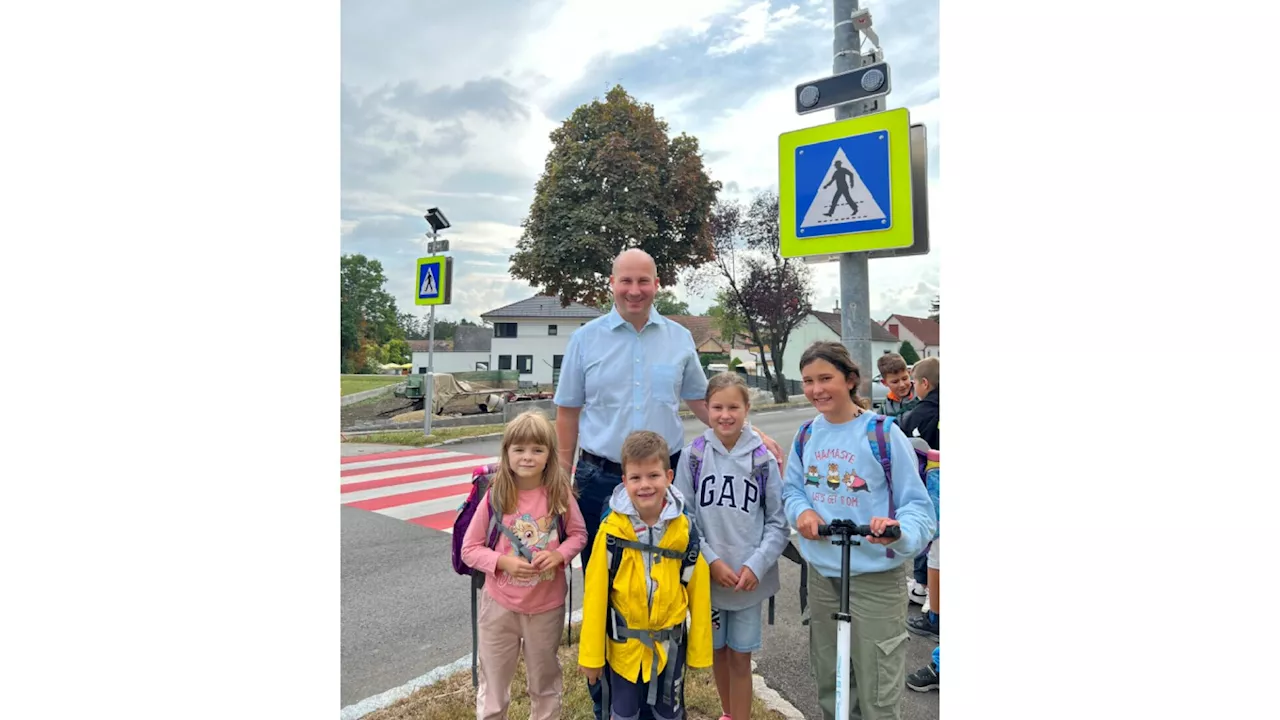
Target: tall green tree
[[725, 316], [908, 353], [368, 312], [614, 180]]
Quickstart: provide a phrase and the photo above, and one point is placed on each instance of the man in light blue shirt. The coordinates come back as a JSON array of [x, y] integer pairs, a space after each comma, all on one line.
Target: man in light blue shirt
[[627, 370]]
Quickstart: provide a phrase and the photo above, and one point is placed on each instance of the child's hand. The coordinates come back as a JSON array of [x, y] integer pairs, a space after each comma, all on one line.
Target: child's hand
[[548, 560], [878, 525], [516, 567], [808, 523], [723, 575], [592, 674], [746, 580]]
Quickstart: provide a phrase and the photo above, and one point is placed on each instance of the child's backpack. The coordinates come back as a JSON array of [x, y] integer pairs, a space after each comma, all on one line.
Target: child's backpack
[[759, 465], [481, 479], [932, 482], [880, 448]]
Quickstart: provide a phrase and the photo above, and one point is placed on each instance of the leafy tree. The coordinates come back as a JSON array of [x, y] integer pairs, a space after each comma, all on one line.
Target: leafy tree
[[908, 353], [614, 180], [935, 310], [725, 317], [771, 294], [368, 311], [397, 351]]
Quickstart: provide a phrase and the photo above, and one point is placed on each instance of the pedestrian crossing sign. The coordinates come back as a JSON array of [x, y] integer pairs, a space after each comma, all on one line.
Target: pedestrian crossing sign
[[846, 186], [433, 281]]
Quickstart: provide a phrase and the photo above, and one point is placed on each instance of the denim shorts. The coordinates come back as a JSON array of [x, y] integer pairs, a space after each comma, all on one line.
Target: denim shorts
[[740, 630]]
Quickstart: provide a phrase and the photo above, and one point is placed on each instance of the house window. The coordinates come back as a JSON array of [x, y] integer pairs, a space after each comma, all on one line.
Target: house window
[[893, 330], [524, 363], [422, 371], [504, 330], [504, 362], [556, 361], [552, 329]]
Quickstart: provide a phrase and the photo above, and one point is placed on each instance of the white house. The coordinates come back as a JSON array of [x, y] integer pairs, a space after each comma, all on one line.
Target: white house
[[449, 357], [531, 336], [826, 326], [923, 334]]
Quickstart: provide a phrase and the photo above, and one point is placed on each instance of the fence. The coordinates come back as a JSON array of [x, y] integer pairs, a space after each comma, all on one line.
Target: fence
[[794, 387]]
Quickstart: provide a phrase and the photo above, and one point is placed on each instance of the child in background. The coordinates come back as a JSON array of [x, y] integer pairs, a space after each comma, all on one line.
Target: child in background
[[895, 376], [902, 398], [641, 586], [923, 420], [832, 473], [734, 492], [524, 589]]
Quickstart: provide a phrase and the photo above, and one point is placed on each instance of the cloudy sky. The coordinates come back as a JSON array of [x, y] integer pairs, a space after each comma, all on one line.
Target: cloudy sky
[[449, 104]]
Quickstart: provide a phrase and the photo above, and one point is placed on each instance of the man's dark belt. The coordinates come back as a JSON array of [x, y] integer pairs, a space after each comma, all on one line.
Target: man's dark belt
[[614, 468]]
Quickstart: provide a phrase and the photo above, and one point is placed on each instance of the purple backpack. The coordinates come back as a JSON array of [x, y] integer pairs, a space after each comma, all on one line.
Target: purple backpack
[[481, 478]]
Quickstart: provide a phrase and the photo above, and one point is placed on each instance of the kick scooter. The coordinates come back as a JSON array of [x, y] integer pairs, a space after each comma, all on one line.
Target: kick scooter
[[844, 532]]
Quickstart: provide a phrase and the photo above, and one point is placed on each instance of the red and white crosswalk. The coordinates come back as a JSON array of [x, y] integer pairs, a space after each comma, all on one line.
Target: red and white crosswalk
[[422, 486]]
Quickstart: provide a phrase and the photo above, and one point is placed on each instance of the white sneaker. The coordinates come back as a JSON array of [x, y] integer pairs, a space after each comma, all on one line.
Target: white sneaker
[[916, 592]]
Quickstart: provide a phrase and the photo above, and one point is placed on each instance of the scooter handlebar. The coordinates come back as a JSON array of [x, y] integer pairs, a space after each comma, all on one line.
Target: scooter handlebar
[[847, 527]]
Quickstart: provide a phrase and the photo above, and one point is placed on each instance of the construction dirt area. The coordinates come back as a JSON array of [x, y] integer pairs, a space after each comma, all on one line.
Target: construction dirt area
[[459, 398]]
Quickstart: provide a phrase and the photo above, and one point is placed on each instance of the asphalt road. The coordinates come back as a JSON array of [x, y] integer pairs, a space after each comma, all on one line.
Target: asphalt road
[[405, 612]]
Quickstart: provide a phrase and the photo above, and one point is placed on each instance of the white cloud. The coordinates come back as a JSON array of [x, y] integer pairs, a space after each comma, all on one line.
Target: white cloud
[[755, 26], [580, 32]]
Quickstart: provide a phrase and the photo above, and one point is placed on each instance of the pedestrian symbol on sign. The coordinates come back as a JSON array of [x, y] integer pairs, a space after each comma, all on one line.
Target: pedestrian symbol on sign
[[428, 288], [843, 196]]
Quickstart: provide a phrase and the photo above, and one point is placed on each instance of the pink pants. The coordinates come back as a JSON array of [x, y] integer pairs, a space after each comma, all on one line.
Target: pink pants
[[501, 633]]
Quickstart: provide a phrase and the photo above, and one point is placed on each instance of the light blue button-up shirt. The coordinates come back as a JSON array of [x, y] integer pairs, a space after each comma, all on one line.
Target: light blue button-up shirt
[[626, 381]]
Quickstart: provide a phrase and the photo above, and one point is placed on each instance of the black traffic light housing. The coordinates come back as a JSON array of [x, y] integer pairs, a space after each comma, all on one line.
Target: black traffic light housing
[[865, 83]]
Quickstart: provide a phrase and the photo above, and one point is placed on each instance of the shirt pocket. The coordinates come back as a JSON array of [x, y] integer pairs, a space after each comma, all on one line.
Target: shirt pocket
[[663, 378]]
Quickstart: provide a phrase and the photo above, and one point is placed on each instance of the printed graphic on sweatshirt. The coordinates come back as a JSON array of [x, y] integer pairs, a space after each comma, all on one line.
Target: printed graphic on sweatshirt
[[831, 479], [535, 534], [729, 491]]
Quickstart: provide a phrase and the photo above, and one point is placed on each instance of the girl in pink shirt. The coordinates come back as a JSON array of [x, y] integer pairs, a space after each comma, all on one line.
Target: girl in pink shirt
[[524, 587]]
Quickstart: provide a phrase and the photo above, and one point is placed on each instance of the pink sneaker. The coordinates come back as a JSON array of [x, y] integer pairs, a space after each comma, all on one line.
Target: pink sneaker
[[725, 717]]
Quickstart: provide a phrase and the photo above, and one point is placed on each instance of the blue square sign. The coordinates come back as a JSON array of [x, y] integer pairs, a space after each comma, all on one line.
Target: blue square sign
[[842, 186]]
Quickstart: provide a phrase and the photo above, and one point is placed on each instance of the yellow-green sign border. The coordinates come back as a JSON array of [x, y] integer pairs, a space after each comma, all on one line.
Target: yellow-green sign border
[[442, 294], [901, 234]]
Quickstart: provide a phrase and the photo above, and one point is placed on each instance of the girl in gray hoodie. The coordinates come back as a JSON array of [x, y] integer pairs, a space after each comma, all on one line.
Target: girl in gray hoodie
[[733, 489]]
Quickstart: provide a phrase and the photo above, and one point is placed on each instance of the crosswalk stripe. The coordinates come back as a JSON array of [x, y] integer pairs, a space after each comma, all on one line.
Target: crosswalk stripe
[[423, 486]]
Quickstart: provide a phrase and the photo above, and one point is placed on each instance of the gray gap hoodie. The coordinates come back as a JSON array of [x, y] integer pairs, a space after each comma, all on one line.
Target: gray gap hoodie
[[620, 502], [734, 526]]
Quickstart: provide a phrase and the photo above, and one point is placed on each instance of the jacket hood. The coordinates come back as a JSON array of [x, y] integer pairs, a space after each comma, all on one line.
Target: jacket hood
[[620, 502], [747, 443]]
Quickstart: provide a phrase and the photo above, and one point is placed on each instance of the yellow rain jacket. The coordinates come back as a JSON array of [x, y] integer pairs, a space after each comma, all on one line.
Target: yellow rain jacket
[[631, 590]]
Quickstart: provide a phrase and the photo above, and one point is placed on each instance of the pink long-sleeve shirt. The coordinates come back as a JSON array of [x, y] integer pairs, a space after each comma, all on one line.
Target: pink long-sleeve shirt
[[536, 528]]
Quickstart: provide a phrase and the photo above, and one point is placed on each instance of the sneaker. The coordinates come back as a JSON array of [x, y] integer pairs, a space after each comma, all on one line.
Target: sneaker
[[922, 625], [924, 679], [917, 593]]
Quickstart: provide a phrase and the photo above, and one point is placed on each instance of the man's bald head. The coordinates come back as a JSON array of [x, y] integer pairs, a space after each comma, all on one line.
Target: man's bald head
[[635, 260], [634, 283]]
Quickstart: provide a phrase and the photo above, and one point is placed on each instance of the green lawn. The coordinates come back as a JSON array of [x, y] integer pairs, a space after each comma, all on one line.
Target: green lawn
[[352, 384]]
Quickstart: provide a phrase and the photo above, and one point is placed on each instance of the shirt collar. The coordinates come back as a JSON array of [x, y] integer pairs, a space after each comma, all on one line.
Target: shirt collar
[[615, 320]]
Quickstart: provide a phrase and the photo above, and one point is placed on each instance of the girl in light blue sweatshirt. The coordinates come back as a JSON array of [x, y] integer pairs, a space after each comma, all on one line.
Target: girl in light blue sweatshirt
[[734, 493], [833, 472]]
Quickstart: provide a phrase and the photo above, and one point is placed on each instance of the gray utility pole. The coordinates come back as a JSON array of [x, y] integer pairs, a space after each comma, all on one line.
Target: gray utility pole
[[855, 282], [429, 402]]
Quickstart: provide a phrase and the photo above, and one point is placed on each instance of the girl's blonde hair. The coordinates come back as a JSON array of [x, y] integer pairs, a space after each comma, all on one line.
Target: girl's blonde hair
[[532, 428], [725, 380]]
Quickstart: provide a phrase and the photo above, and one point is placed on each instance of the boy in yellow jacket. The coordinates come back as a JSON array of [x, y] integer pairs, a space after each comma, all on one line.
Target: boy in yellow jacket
[[638, 635]]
